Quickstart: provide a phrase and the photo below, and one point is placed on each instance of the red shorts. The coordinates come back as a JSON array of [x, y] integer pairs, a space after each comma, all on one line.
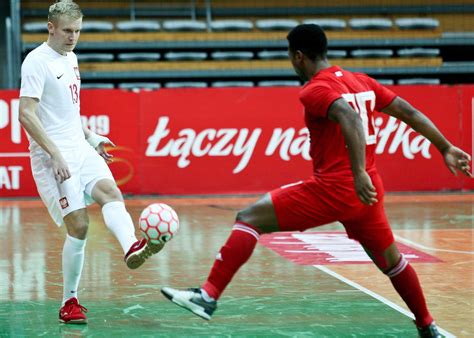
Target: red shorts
[[314, 202]]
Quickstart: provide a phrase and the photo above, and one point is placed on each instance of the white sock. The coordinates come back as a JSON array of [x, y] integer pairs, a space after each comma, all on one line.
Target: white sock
[[118, 220], [73, 261], [206, 296]]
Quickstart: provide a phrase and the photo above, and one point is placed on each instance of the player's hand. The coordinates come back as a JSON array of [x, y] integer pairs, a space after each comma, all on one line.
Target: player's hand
[[365, 189], [103, 151], [60, 169], [98, 142], [456, 159]]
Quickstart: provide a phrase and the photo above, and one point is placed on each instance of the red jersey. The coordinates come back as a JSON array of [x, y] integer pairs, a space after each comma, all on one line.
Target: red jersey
[[327, 145]]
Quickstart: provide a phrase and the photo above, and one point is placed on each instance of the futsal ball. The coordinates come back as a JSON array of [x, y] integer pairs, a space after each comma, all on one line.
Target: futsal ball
[[158, 223]]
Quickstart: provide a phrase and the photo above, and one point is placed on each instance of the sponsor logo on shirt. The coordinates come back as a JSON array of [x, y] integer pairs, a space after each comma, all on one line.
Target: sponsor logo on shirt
[[63, 202]]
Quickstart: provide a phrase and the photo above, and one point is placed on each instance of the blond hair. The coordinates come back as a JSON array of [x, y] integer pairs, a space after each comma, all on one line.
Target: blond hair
[[64, 7]]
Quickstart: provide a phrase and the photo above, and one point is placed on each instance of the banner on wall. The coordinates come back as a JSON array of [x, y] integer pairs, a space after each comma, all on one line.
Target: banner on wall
[[237, 140]]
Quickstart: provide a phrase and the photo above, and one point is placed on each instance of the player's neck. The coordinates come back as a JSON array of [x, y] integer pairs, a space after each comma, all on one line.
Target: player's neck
[[322, 64], [55, 48], [318, 66]]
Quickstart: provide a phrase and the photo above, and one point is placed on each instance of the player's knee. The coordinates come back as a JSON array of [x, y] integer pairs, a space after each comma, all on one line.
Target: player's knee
[[78, 230], [106, 191], [396, 268], [247, 216], [243, 216], [112, 191]]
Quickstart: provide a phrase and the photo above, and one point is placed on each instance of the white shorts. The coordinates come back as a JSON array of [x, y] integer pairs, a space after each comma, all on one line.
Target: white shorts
[[86, 166]]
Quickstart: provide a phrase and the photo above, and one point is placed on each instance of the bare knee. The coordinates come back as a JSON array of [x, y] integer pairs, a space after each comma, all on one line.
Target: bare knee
[[78, 230], [386, 260], [244, 215], [106, 191], [77, 224], [260, 215]]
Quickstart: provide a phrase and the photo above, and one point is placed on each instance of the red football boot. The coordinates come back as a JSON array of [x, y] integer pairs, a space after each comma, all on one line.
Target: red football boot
[[72, 312], [140, 251]]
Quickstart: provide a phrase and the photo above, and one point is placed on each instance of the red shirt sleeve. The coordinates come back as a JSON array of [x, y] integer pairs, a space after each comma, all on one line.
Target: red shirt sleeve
[[317, 98]]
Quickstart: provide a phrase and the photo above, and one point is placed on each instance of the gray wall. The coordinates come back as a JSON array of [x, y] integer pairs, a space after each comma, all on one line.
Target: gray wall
[[10, 44], [4, 13]]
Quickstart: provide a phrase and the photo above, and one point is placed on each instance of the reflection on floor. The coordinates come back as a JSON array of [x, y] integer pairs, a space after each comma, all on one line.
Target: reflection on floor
[[271, 296]]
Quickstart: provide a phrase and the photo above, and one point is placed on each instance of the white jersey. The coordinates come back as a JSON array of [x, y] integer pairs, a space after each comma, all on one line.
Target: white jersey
[[54, 80]]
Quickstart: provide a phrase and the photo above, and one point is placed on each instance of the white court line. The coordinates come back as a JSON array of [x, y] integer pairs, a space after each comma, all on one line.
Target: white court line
[[376, 296], [407, 241], [14, 154]]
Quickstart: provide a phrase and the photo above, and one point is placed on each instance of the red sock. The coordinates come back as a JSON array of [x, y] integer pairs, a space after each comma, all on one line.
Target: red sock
[[236, 251], [405, 281]]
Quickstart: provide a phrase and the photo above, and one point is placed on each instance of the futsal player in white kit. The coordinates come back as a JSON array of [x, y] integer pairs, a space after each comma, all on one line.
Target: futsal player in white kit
[[68, 160]]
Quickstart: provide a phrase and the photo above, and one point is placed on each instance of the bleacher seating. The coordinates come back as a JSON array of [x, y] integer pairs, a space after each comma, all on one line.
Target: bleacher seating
[[35, 27], [184, 26], [94, 85], [279, 83], [225, 84], [273, 54], [97, 26], [336, 54], [230, 25], [135, 56], [246, 40], [232, 55], [138, 26], [186, 84], [182, 56], [276, 24], [417, 23], [372, 53], [139, 85], [370, 23], [415, 52], [327, 24], [95, 57], [414, 81]]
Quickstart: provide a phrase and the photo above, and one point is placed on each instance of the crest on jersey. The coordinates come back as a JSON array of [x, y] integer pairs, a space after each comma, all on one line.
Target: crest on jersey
[[78, 75], [63, 202]]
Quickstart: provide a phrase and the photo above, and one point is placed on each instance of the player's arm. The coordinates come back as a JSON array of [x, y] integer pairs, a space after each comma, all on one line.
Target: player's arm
[[32, 124], [455, 158], [353, 131], [98, 142]]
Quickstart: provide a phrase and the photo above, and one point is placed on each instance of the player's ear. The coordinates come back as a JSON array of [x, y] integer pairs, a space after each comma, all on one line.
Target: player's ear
[[50, 27], [299, 55]]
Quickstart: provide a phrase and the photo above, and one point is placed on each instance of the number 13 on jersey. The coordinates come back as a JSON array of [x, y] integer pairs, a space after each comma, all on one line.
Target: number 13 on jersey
[[74, 93]]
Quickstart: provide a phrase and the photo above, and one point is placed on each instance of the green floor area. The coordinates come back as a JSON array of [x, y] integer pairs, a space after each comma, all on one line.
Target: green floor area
[[270, 309]]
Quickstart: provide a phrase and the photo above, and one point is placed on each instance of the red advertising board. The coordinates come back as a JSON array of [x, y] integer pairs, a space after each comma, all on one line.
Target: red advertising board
[[237, 140], [466, 127]]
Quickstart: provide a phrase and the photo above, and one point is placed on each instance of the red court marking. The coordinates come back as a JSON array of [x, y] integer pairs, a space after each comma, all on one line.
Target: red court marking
[[321, 248]]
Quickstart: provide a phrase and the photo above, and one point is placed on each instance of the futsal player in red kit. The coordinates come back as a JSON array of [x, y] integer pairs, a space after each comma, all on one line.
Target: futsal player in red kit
[[345, 186]]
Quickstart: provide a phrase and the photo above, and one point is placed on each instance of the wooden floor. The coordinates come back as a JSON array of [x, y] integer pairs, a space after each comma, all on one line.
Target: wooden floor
[[270, 296]]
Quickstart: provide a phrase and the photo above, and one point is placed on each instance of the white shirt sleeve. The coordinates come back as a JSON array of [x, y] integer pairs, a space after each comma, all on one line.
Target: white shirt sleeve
[[32, 78]]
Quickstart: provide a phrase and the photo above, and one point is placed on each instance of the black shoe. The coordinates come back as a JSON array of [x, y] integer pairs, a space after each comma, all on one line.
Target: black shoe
[[429, 331], [191, 299]]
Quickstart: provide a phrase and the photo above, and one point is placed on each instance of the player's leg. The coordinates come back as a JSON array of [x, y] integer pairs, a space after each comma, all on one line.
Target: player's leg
[[117, 219], [293, 207], [254, 220], [101, 186], [371, 228], [250, 223], [405, 281], [76, 222]]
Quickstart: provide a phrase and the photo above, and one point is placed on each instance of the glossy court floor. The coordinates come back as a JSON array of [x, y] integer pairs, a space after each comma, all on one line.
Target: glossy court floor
[[334, 295]]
